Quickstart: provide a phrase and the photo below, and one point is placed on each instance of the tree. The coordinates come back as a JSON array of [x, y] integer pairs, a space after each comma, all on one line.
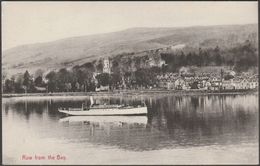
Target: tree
[[103, 79], [38, 81], [63, 77], [89, 66], [27, 82], [201, 60], [144, 77], [87, 79], [217, 56], [4, 76], [245, 56], [228, 77], [189, 59], [206, 58], [194, 85], [114, 80], [77, 86], [218, 60], [18, 84], [84, 77], [52, 81], [182, 60], [67, 87], [99, 66], [9, 86]]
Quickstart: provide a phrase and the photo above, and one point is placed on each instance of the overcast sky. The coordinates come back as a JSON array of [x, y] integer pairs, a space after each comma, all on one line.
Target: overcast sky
[[32, 22]]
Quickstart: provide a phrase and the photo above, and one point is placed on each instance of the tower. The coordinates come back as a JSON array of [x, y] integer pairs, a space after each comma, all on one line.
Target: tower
[[106, 67]]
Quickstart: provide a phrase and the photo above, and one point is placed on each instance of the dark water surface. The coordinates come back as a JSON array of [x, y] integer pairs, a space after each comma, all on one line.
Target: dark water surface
[[209, 129]]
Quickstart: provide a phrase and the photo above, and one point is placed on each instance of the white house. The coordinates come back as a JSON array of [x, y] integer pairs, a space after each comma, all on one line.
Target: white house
[[245, 84], [179, 83]]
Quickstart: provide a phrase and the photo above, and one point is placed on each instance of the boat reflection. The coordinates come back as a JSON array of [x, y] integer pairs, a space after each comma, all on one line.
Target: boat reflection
[[105, 119]]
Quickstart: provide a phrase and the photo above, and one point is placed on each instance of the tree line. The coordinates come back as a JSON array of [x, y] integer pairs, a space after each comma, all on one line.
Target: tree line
[[78, 80], [241, 58]]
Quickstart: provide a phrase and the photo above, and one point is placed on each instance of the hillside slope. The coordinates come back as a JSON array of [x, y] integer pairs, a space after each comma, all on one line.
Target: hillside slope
[[78, 50]]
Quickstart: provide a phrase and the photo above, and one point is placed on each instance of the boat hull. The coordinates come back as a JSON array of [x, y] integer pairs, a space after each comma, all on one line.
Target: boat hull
[[107, 112]]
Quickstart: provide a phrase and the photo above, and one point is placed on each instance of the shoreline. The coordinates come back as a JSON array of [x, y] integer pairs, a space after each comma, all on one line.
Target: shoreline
[[133, 92]]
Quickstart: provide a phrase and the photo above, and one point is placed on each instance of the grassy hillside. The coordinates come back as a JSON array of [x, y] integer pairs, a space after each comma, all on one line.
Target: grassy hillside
[[79, 50]]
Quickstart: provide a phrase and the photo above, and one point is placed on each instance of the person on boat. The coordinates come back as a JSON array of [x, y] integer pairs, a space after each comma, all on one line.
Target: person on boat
[[91, 101], [86, 105]]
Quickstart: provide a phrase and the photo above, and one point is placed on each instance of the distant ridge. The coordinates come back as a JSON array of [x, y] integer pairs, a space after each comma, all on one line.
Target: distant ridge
[[81, 49]]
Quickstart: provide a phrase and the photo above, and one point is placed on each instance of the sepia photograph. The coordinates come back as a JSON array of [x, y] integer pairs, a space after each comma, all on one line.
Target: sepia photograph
[[130, 83]]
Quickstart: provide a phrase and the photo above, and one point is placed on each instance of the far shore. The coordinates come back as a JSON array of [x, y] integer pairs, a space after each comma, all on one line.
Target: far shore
[[132, 93]]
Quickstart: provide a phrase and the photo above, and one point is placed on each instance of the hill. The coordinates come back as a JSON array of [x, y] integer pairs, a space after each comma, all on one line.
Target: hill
[[79, 50]]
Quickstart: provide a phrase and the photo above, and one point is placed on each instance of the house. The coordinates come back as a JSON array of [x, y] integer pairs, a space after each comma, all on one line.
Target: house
[[195, 85], [179, 84], [186, 86], [204, 83], [163, 84], [151, 62], [253, 85], [40, 89], [237, 84], [208, 85], [170, 85], [161, 63], [155, 62], [245, 84], [215, 83], [183, 70], [102, 88], [214, 87], [227, 84]]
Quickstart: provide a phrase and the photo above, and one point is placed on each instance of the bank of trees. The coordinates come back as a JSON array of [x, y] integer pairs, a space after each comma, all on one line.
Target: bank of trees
[[241, 57], [70, 80], [20, 84], [79, 80], [60, 81]]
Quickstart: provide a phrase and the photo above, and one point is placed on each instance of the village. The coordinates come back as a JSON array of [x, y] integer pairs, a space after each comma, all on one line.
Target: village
[[227, 80], [186, 79], [206, 81]]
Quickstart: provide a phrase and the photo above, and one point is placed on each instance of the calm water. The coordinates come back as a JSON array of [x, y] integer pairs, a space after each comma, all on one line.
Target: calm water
[[215, 129]]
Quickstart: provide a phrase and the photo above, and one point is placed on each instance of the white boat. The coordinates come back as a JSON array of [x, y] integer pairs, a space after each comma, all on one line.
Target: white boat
[[106, 119], [101, 110]]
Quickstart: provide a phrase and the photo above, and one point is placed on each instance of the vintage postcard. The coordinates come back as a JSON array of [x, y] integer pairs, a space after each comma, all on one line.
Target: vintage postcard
[[140, 83]]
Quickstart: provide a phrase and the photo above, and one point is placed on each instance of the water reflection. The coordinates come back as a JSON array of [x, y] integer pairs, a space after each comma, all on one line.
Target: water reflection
[[172, 121], [105, 119]]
